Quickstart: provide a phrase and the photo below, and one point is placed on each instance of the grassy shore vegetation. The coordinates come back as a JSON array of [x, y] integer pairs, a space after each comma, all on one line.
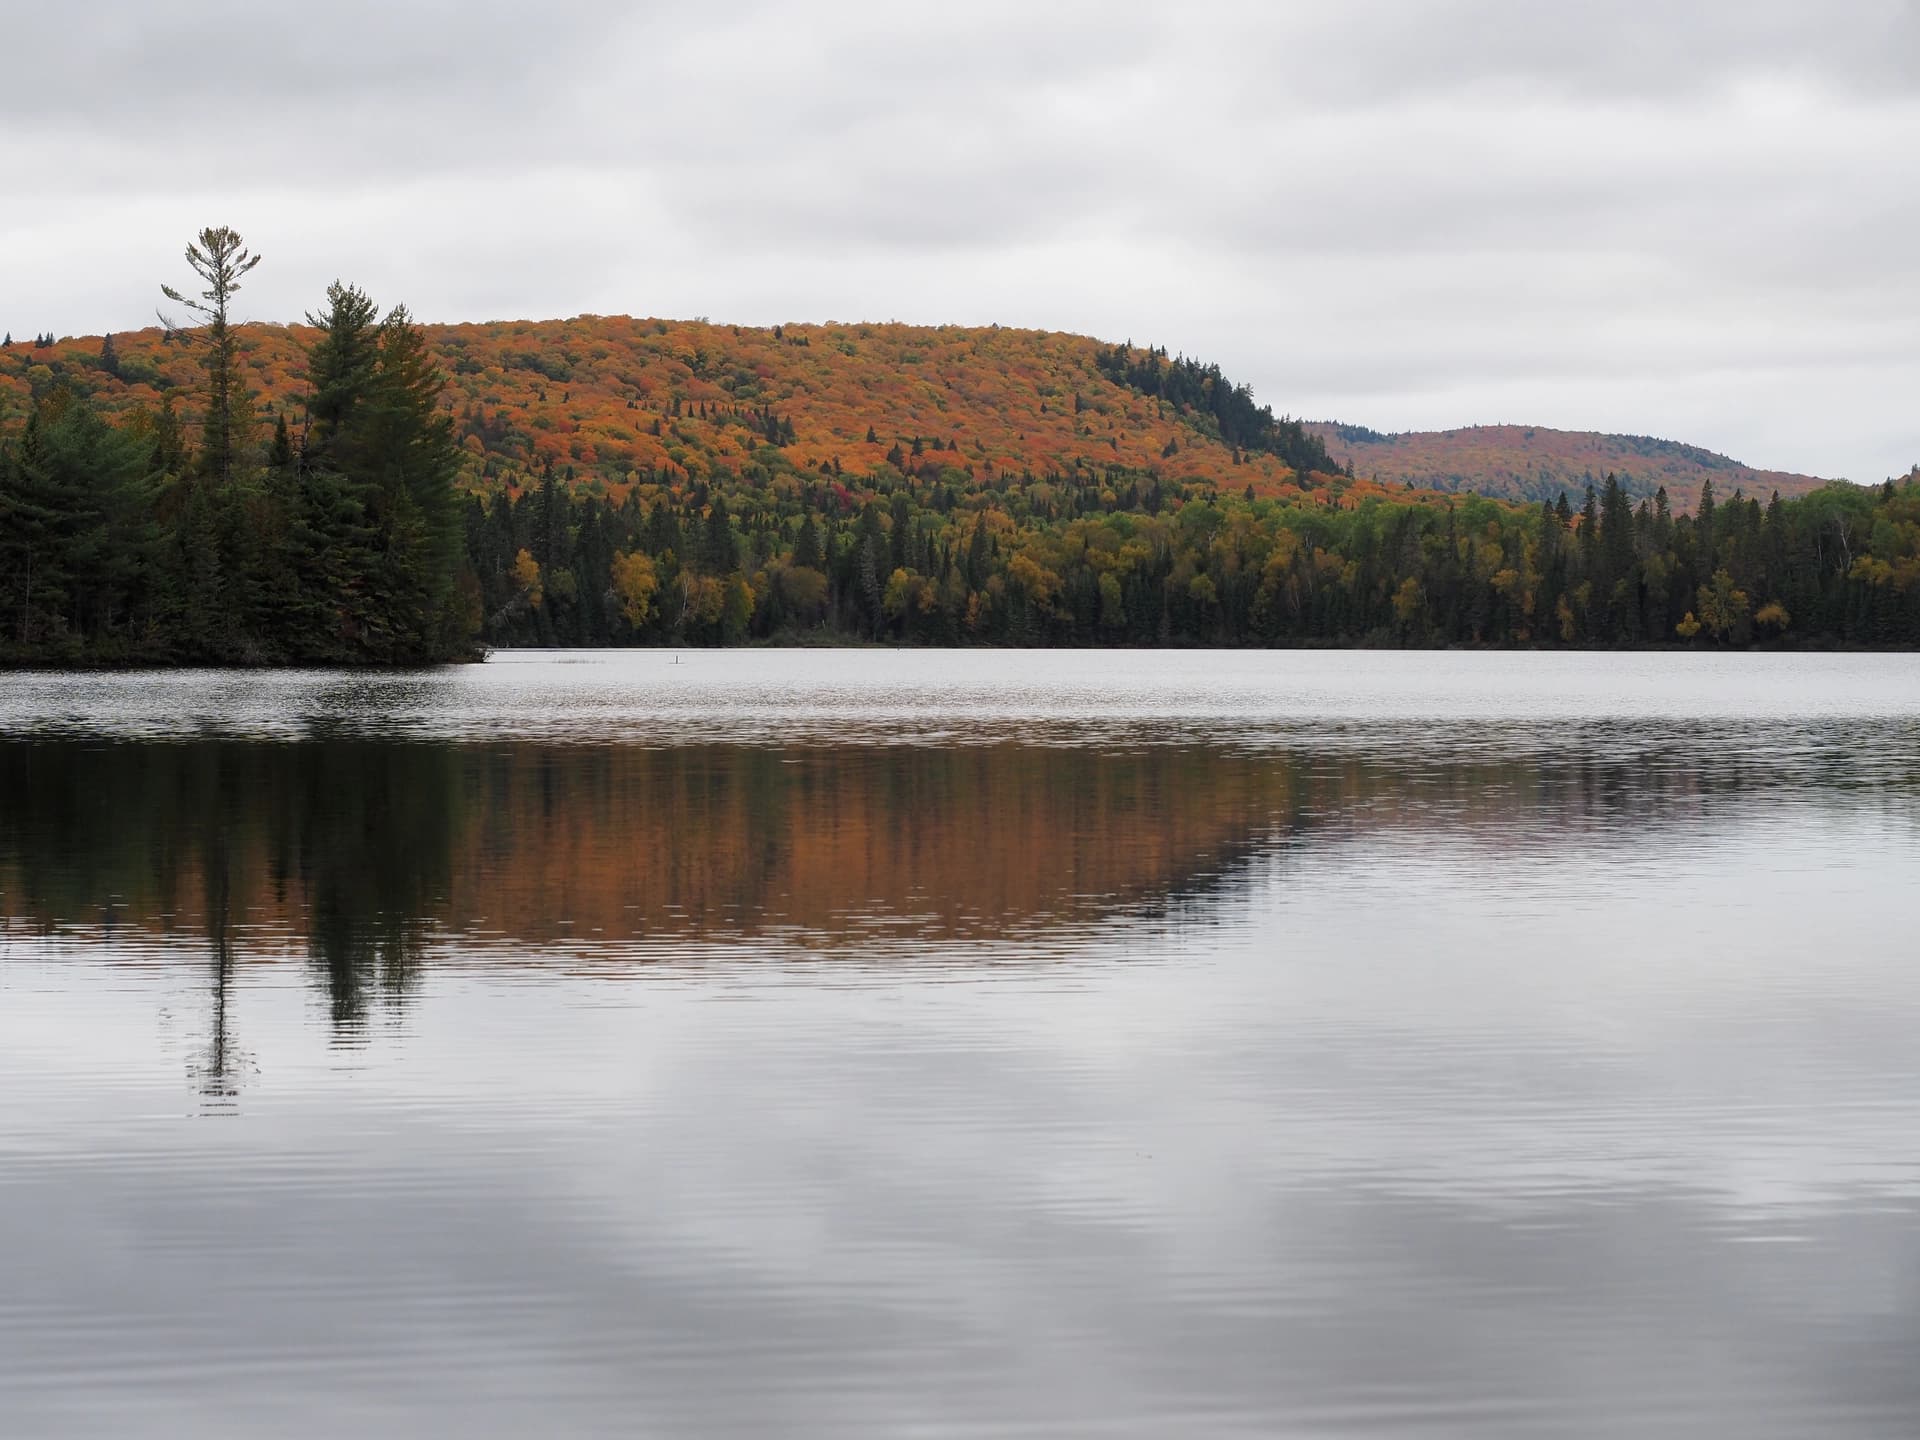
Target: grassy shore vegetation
[[345, 502]]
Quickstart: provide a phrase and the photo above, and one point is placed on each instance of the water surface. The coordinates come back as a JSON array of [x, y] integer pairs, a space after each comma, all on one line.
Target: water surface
[[851, 1043]]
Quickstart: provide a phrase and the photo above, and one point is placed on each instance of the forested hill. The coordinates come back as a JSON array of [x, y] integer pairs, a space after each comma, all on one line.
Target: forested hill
[[375, 491], [1524, 462], [613, 399]]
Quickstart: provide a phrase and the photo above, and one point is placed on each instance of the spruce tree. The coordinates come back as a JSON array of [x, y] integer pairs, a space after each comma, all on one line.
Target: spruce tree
[[376, 540], [29, 529], [78, 539], [720, 558], [1703, 518], [806, 547], [280, 452], [419, 462]]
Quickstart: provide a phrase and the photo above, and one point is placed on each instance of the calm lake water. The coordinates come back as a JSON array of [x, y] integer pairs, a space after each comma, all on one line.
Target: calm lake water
[[881, 1043]]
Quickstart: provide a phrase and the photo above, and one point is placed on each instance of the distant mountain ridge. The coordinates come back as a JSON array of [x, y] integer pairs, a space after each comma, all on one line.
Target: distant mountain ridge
[[1526, 462]]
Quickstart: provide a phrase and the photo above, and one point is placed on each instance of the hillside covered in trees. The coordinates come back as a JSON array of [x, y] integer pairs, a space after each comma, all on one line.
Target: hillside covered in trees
[[365, 489], [614, 399], [1526, 462]]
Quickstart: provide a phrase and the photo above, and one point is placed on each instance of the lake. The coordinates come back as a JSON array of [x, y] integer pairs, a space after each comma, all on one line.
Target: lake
[[860, 1043]]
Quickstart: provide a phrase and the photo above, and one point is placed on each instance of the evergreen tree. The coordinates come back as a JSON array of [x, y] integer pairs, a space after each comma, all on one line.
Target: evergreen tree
[[663, 532], [376, 540], [30, 550], [78, 543], [720, 556], [280, 451], [170, 457], [551, 530], [417, 462], [1704, 515], [806, 548], [220, 259]]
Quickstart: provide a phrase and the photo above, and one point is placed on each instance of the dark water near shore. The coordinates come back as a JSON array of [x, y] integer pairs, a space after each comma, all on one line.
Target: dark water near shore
[[842, 1043]]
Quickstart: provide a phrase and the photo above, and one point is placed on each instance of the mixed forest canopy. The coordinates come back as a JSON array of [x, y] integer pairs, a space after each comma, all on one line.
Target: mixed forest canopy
[[618, 399], [363, 489]]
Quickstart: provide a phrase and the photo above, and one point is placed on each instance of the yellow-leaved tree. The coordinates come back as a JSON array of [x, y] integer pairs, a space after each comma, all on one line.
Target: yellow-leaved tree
[[635, 582], [526, 573]]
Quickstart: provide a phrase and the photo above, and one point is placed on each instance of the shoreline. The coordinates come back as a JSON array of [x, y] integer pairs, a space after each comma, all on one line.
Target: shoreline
[[32, 667]]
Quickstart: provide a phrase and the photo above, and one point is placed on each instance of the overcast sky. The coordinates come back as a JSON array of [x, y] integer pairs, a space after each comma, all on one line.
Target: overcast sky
[[1692, 218]]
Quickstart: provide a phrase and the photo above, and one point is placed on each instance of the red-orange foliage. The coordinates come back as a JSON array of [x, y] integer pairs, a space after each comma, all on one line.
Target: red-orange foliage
[[612, 396]]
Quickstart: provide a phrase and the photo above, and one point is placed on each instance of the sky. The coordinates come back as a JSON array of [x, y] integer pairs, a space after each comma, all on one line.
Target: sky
[[1697, 219]]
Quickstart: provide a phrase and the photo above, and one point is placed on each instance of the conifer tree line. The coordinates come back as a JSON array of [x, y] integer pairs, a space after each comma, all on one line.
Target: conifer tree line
[[330, 537], [1220, 405], [1108, 558], [339, 532]]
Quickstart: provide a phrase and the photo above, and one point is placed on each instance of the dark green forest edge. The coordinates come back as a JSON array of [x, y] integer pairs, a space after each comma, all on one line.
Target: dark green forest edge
[[349, 542]]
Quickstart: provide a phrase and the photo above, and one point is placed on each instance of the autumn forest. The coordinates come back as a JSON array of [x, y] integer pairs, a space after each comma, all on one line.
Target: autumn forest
[[361, 488]]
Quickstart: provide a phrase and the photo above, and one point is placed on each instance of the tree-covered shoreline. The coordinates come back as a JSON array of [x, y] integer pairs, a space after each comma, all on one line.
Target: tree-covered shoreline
[[341, 534], [1073, 561], [127, 543]]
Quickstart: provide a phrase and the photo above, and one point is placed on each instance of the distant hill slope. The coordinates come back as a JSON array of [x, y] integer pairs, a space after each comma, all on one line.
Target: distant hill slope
[[613, 397], [1529, 463]]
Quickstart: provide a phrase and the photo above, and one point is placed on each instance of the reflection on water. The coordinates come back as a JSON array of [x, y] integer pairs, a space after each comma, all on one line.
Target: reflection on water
[[858, 1043]]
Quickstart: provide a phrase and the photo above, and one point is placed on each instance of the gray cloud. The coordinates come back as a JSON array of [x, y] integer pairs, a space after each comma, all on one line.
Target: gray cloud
[[1693, 220], [1614, 48]]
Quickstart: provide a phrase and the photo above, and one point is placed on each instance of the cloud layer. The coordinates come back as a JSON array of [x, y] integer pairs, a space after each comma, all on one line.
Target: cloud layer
[[1694, 221]]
